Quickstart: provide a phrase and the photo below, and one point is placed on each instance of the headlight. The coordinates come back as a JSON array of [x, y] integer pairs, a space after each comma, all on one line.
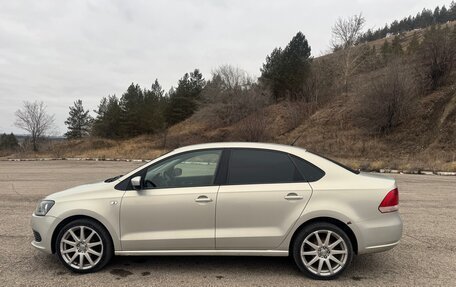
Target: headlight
[[43, 207]]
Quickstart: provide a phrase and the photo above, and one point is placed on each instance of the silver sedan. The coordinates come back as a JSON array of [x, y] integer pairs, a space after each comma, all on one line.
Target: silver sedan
[[225, 199]]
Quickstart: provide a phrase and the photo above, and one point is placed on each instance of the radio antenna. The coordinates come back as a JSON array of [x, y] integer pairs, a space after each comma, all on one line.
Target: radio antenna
[[296, 139]]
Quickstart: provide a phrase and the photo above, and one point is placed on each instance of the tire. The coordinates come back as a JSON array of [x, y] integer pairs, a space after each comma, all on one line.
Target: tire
[[322, 260], [87, 253]]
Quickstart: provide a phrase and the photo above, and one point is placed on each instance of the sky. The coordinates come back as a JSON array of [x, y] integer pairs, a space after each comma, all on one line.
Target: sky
[[61, 51]]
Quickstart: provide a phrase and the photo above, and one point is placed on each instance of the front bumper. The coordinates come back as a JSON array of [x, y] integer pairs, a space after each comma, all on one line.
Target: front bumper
[[379, 234], [44, 226]]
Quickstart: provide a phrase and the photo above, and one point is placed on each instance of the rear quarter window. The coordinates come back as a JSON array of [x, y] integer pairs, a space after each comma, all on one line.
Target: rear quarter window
[[309, 171], [339, 164]]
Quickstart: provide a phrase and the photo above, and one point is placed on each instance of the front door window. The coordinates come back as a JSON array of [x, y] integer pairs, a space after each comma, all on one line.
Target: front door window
[[184, 170]]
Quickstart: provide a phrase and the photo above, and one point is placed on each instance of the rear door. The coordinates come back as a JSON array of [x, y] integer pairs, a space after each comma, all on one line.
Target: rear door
[[263, 197]]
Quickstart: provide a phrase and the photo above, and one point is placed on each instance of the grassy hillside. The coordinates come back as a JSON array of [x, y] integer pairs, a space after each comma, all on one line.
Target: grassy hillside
[[427, 141], [334, 127]]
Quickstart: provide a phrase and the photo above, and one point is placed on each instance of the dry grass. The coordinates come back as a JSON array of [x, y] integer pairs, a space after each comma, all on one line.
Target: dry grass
[[137, 148], [426, 142]]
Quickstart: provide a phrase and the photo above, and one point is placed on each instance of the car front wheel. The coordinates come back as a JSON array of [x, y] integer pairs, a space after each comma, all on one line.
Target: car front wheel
[[322, 251], [84, 246]]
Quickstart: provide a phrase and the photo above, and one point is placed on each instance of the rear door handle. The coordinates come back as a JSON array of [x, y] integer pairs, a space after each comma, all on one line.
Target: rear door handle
[[293, 196], [203, 198]]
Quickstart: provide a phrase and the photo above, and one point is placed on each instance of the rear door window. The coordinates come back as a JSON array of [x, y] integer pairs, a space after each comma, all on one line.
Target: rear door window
[[255, 166]]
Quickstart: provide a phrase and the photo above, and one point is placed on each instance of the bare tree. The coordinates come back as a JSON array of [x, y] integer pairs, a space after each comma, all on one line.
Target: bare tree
[[321, 84], [345, 37], [346, 32], [437, 54], [351, 62], [34, 119], [233, 77], [230, 96], [389, 99]]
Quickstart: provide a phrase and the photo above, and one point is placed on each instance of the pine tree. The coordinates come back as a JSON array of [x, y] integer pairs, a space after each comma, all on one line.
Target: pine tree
[[413, 45], [272, 73], [153, 109], [443, 16], [132, 104], [107, 122], [184, 99], [386, 50], [286, 70], [296, 56], [396, 47], [79, 121], [452, 11], [436, 15]]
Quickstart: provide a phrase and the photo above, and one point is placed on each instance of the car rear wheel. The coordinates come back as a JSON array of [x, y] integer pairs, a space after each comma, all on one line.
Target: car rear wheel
[[322, 251], [84, 246]]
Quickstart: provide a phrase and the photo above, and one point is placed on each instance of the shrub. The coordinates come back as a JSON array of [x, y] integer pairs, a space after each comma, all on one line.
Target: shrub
[[437, 55], [254, 128], [229, 97], [389, 99]]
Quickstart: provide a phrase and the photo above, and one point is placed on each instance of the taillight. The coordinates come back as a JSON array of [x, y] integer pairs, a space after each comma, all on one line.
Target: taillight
[[391, 202]]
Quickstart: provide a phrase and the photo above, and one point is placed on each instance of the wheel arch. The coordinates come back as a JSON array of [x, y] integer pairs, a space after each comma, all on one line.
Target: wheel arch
[[70, 219], [351, 235]]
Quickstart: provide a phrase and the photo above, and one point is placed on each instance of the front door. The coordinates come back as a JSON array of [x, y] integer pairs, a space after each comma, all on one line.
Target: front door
[[175, 208]]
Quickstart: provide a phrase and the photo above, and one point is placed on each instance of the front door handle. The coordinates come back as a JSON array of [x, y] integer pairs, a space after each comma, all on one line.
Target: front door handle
[[293, 196], [203, 198]]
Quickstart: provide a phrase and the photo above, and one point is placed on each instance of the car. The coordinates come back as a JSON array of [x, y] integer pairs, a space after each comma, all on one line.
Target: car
[[243, 199]]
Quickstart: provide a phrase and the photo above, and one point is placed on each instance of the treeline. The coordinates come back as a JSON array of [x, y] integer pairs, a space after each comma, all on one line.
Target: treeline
[[137, 111], [149, 111], [402, 72], [8, 142], [422, 19]]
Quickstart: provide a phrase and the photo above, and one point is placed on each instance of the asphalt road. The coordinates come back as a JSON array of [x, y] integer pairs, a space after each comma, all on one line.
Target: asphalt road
[[426, 255]]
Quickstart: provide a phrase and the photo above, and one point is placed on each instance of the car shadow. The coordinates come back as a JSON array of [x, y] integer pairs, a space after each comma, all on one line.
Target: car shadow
[[225, 264], [218, 267]]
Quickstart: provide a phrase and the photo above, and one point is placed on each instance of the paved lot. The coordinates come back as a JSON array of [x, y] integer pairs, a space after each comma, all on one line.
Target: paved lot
[[426, 256]]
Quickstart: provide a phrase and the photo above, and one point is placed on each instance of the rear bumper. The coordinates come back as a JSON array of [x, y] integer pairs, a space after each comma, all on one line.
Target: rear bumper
[[379, 234], [381, 248]]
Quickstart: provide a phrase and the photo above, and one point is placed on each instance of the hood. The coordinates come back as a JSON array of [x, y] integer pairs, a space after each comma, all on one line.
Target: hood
[[81, 191]]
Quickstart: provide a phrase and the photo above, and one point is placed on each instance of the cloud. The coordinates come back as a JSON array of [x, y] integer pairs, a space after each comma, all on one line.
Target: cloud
[[61, 51]]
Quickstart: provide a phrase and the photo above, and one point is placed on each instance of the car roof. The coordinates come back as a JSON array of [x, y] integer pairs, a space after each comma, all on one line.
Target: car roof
[[271, 146]]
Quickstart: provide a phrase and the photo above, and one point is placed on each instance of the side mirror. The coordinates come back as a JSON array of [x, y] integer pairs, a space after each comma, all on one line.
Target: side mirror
[[177, 172], [136, 182]]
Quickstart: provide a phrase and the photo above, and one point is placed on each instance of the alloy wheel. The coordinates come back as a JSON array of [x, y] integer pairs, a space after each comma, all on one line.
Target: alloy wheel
[[324, 252], [81, 247]]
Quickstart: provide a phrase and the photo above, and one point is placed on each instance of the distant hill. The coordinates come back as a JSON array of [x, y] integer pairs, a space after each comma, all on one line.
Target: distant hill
[[334, 125]]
